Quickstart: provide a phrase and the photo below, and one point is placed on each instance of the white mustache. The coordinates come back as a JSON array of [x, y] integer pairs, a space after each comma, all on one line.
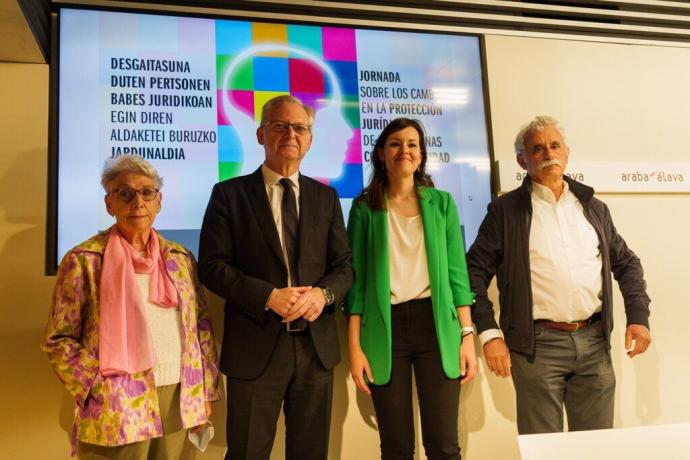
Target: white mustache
[[547, 163]]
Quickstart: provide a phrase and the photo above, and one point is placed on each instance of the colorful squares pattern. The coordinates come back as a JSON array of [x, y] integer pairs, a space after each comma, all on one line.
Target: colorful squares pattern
[[346, 72], [354, 148], [349, 184], [314, 100], [305, 77], [260, 98], [228, 170], [270, 33], [233, 36], [243, 100], [240, 99], [299, 71], [229, 145], [271, 74], [307, 38], [241, 78], [339, 44], [351, 110]]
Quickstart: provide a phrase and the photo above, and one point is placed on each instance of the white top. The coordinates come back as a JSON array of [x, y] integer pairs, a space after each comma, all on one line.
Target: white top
[[165, 327], [407, 256], [565, 261], [274, 190]]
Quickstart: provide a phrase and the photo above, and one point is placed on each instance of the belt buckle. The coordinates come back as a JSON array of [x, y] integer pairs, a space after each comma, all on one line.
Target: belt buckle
[[289, 328], [580, 324]]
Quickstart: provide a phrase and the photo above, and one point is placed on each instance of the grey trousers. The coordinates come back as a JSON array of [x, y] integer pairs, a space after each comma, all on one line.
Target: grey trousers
[[571, 369], [167, 447]]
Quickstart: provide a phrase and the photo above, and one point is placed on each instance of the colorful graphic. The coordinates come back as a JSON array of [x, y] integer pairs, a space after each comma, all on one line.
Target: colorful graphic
[[186, 94], [318, 65]]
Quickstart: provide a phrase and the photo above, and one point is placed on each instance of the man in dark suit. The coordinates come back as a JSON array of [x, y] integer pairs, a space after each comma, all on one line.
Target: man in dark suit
[[273, 245]]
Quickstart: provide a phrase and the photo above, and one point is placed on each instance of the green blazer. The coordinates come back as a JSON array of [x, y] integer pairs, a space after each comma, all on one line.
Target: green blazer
[[370, 295]]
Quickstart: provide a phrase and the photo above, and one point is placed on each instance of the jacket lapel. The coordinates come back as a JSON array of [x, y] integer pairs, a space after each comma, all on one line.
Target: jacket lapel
[[264, 215], [431, 236]]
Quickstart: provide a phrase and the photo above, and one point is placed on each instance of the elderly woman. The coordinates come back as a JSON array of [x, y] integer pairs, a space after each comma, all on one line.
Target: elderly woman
[[129, 334], [410, 304]]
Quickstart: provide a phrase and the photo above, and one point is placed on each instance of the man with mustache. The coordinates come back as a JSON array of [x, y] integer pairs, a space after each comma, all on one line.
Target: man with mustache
[[553, 247]]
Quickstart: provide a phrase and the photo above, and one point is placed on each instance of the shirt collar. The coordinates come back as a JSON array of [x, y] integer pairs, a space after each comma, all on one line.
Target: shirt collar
[[271, 177], [544, 193]]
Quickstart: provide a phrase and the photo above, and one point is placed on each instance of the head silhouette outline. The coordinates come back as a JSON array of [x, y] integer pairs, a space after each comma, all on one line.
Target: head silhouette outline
[[331, 133]]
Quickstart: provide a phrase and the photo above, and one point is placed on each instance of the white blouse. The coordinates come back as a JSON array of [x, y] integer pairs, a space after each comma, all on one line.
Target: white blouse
[[407, 256]]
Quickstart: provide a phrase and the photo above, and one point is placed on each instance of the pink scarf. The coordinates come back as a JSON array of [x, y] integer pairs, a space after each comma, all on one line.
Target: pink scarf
[[125, 341]]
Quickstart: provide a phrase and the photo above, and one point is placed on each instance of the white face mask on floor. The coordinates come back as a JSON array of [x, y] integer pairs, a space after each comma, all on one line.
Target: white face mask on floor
[[201, 438]]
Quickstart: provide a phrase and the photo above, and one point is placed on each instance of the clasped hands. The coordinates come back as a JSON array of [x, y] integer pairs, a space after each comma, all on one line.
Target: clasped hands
[[291, 303]]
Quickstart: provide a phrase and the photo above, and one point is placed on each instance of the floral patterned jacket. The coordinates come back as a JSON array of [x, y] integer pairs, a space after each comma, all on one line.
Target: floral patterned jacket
[[122, 409]]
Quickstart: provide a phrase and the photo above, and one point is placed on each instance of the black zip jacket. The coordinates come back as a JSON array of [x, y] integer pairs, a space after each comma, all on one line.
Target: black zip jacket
[[502, 249]]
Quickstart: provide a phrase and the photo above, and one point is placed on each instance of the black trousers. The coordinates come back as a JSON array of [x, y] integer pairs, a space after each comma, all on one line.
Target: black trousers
[[415, 347], [295, 379]]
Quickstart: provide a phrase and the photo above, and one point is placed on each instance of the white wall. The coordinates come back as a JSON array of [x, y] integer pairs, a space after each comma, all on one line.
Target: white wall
[[621, 103], [617, 102]]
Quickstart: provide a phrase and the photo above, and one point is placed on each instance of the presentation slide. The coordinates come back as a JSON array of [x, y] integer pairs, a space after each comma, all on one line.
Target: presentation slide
[[186, 94]]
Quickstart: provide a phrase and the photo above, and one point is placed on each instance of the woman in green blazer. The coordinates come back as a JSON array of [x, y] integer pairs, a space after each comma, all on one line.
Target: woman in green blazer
[[409, 307]]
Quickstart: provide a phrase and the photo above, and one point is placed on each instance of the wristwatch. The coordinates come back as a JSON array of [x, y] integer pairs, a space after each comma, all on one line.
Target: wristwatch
[[328, 294], [467, 330]]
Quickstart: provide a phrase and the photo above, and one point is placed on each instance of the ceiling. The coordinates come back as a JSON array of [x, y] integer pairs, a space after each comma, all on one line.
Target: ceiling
[[25, 24]]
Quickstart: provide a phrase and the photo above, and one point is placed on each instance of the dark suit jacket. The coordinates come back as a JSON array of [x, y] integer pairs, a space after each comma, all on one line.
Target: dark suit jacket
[[240, 259], [502, 249]]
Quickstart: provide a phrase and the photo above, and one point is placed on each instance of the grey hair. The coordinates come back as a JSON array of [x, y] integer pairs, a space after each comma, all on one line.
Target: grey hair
[[285, 99], [539, 123], [129, 164]]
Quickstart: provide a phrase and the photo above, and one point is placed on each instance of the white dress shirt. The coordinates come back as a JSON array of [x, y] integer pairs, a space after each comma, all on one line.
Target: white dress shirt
[[565, 261], [274, 190]]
